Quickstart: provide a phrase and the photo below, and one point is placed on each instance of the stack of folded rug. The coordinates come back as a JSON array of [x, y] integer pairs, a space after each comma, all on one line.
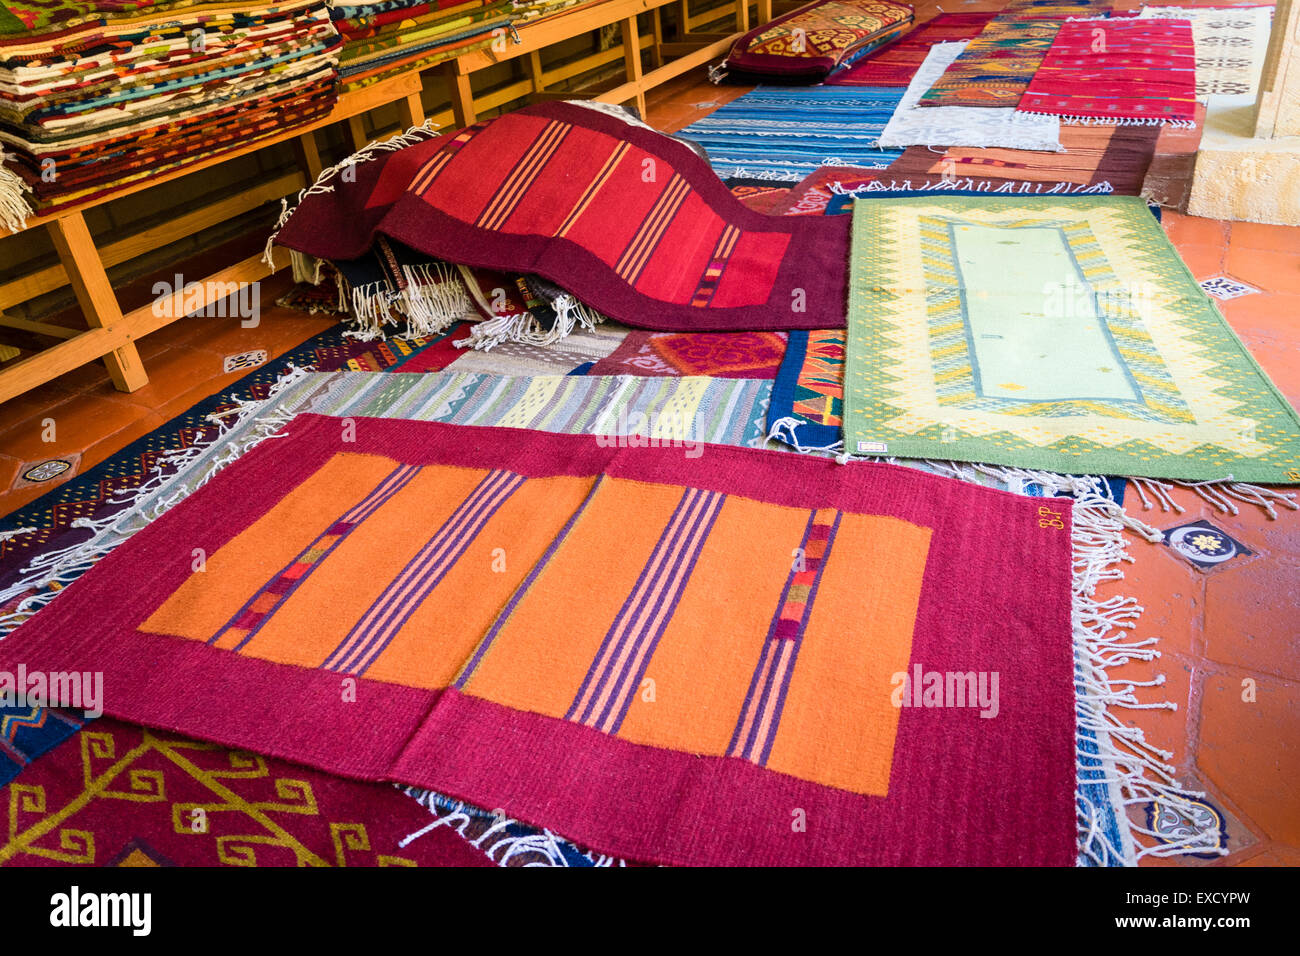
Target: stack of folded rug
[[90, 102], [393, 36]]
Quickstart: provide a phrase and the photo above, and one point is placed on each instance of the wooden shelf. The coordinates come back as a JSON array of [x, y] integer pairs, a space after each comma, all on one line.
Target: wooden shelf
[[110, 335]]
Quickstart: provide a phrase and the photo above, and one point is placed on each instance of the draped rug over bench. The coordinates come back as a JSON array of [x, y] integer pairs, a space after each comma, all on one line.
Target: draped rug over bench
[[1059, 334], [532, 621], [630, 222]]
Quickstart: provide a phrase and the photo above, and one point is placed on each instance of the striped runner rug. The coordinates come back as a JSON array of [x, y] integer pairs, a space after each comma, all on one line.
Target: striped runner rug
[[783, 133]]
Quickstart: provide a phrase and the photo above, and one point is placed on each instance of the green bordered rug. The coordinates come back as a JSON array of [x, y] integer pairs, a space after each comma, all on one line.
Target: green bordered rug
[[1066, 336]]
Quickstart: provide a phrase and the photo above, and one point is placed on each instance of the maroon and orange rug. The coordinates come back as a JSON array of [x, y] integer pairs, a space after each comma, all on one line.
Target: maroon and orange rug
[[830, 709]]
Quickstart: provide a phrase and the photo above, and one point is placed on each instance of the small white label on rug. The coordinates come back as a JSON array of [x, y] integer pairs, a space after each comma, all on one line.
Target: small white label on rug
[[873, 447]]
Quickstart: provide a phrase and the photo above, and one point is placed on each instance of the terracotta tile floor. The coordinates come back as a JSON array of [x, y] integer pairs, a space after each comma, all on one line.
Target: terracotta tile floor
[[1222, 632]]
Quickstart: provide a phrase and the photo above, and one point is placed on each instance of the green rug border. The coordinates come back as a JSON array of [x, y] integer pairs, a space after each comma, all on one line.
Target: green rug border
[[1072, 455]]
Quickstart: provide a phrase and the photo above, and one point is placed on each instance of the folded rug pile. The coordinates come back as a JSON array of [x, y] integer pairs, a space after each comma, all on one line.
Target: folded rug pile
[[629, 222], [394, 36], [86, 109]]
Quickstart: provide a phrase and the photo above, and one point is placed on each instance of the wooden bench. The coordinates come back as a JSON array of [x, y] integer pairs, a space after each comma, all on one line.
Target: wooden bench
[[111, 334]]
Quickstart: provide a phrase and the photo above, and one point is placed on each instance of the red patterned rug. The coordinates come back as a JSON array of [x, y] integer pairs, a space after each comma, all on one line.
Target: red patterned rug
[[1120, 72], [716, 354], [119, 795], [896, 64]]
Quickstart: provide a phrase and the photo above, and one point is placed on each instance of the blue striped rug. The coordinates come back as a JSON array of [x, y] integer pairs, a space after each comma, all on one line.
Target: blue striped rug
[[785, 133]]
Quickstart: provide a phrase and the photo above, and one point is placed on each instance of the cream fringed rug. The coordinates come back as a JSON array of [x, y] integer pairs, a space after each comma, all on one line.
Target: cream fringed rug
[[1230, 45]]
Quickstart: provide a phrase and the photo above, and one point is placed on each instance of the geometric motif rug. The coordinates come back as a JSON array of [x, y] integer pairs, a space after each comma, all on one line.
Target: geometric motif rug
[[896, 64], [1230, 44], [1120, 72], [998, 64], [1064, 335], [499, 676], [715, 354], [126, 796]]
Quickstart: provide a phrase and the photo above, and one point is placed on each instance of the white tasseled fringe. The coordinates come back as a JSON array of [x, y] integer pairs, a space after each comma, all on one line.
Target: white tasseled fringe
[[412, 136], [1114, 120], [495, 841], [14, 207], [1222, 494], [1033, 189]]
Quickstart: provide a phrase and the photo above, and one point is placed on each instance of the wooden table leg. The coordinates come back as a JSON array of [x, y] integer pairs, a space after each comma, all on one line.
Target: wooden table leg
[[462, 95], [764, 12], [357, 132], [535, 72], [95, 294], [657, 31], [742, 16], [632, 61], [309, 155], [411, 111]]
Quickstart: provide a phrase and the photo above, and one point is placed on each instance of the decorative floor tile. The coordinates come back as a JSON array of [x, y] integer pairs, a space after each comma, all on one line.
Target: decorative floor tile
[[243, 360], [1225, 287], [48, 471], [1204, 545]]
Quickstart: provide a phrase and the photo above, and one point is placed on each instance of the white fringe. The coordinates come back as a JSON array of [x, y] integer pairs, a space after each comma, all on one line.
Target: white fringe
[[14, 207], [525, 328], [415, 134], [785, 430], [1222, 494], [171, 483], [1113, 120], [434, 299], [1061, 188], [495, 839], [1140, 772]]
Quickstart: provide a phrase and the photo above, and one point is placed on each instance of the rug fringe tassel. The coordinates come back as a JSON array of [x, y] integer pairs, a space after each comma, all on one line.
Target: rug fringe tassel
[[525, 328], [433, 301], [1113, 120], [785, 431], [972, 185], [496, 839], [1221, 494], [415, 134], [14, 206], [48, 573]]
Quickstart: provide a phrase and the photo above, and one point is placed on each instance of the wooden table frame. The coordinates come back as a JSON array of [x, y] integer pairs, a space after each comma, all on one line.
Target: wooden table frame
[[111, 335], [670, 60]]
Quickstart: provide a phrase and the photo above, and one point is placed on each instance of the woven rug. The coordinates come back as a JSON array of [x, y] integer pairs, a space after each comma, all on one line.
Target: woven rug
[[1003, 127], [717, 354], [1117, 72], [896, 64], [998, 64], [520, 696], [122, 795], [1064, 335], [630, 222], [1230, 45], [807, 407], [785, 134], [1098, 159]]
